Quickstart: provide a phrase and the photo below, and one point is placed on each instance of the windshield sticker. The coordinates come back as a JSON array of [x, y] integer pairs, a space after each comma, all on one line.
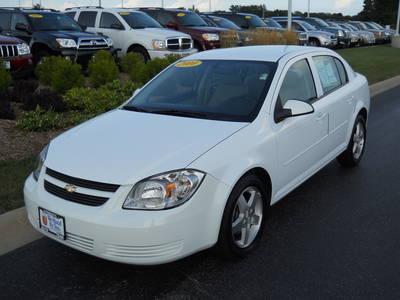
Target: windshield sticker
[[36, 16], [124, 13], [188, 64], [264, 76], [248, 17], [181, 14]]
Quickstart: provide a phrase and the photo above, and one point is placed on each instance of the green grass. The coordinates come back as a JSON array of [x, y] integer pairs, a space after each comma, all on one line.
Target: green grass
[[376, 63], [12, 177]]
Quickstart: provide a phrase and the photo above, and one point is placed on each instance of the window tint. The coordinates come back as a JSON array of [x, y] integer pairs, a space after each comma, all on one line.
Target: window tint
[[108, 20], [328, 73], [342, 71], [71, 14], [164, 18], [87, 18], [5, 19], [298, 84], [297, 27], [18, 18]]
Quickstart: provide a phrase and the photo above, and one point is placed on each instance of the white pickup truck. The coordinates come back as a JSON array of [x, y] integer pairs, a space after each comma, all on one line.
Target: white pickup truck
[[133, 31]]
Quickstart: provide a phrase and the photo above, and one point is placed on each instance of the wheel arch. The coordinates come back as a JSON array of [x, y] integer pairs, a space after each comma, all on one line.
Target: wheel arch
[[137, 46]]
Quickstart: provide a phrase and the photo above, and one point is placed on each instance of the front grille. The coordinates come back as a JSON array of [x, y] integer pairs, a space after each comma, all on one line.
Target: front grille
[[8, 51], [92, 44], [74, 197], [106, 187], [175, 44]]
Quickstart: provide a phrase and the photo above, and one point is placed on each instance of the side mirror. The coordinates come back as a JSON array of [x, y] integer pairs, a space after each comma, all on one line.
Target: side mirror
[[117, 26], [294, 108], [172, 25], [22, 27]]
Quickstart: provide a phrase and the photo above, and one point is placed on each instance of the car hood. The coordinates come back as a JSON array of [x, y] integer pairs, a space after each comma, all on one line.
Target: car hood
[[75, 35], [162, 33], [9, 40], [123, 147], [206, 29]]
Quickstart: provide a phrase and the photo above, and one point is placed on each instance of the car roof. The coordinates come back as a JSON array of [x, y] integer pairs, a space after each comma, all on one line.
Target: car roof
[[256, 53]]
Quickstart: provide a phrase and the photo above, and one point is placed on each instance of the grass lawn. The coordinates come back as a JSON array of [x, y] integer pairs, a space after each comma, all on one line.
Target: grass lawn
[[12, 176], [377, 63]]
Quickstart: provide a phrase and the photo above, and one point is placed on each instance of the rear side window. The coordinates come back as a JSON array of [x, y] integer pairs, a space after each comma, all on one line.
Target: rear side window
[[328, 73], [298, 84], [108, 20], [18, 19], [71, 14], [87, 18], [342, 71], [5, 19]]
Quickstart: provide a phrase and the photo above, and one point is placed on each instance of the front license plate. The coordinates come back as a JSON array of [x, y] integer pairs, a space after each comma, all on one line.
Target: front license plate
[[52, 223], [7, 65]]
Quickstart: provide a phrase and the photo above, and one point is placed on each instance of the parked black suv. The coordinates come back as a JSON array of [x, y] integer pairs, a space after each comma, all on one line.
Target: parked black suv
[[49, 32]]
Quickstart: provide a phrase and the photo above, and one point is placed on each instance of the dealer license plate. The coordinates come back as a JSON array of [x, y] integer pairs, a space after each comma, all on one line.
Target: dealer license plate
[[52, 223]]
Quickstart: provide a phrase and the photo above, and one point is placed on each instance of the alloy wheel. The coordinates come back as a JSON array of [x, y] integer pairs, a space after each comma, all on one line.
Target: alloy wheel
[[358, 140]]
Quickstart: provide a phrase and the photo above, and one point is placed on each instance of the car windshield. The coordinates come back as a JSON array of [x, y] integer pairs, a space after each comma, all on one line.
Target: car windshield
[[362, 26], [272, 23], [353, 28], [225, 23], [138, 20], [52, 22], [321, 22], [372, 26], [226, 90], [254, 21], [307, 26], [378, 25], [190, 19]]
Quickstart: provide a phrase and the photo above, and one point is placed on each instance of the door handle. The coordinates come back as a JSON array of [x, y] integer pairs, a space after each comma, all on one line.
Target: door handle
[[320, 116]]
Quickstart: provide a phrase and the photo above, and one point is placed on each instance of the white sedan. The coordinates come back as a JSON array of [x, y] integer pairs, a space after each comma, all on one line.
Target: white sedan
[[197, 156]]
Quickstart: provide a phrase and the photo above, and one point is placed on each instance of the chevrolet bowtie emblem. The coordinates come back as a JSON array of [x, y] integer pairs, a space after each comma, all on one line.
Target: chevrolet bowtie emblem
[[70, 188]]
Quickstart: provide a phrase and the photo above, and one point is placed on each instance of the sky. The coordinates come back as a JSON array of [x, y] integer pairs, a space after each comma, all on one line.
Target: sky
[[351, 7]]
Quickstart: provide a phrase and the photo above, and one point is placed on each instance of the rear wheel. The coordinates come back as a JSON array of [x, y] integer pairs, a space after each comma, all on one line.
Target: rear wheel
[[244, 217], [352, 156]]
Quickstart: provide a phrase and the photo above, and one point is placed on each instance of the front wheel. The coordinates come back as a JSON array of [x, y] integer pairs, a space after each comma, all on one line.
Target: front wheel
[[244, 217], [352, 156]]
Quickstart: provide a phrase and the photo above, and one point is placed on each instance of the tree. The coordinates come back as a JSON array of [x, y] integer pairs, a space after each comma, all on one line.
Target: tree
[[381, 11]]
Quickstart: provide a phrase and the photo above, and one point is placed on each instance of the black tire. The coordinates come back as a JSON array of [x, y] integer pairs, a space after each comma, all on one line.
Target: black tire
[[141, 52], [350, 158], [314, 43], [40, 55], [227, 246], [198, 46]]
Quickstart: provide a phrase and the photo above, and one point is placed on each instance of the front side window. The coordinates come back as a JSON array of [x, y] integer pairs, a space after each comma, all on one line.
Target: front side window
[[210, 89], [328, 73], [71, 14], [139, 20], [110, 21], [18, 19], [87, 18], [298, 84], [52, 22], [190, 19]]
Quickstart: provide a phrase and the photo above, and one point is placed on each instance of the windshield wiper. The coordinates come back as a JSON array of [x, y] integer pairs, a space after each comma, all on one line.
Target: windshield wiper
[[180, 113], [135, 108]]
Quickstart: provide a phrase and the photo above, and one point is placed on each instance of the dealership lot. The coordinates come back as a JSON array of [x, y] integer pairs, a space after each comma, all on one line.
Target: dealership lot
[[336, 235]]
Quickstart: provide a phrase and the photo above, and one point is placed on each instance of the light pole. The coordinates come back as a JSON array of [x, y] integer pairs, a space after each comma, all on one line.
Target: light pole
[[308, 10], [398, 21], [209, 5], [289, 23], [162, 3]]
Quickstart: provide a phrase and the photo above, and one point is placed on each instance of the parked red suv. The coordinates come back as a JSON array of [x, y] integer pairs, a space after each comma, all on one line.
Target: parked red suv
[[16, 56], [204, 36]]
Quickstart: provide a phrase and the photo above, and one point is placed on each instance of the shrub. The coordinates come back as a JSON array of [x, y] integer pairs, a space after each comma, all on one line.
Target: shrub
[[229, 39], [130, 62], [23, 89], [96, 101], [6, 111], [40, 120], [46, 99], [102, 69], [268, 37], [153, 67], [59, 73], [5, 78]]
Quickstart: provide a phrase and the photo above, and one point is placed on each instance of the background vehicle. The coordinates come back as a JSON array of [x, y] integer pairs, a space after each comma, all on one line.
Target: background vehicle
[[50, 32], [366, 37], [355, 38], [315, 37], [247, 21], [387, 33], [133, 31], [204, 36], [379, 34], [15, 56]]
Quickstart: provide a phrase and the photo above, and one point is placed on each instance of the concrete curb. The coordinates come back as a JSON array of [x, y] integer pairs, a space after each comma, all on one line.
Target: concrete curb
[[16, 231], [383, 86]]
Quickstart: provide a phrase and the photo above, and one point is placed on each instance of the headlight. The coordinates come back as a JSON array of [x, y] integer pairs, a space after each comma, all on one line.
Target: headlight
[[109, 42], [159, 44], [340, 33], [23, 49], [40, 161], [210, 36], [66, 43], [164, 191]]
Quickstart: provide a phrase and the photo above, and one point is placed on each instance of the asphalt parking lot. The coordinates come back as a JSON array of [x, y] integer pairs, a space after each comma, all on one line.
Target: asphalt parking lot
[[337, 236]]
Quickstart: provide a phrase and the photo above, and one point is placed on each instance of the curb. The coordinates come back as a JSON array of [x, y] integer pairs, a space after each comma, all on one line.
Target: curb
[[16, 231]]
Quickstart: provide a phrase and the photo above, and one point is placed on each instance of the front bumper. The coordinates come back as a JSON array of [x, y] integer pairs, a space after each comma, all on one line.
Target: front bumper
[[83, 57], [163, 53], [21, 66], [133, 236]]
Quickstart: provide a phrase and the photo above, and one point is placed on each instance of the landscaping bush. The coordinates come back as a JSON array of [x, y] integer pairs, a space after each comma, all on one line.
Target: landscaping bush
[[60, 74], [130, 61], [40, 120], [5, 78], [96, 101], [229, 39], [46, 99], [267, 37], [23, 89], [102, 69], [6, 111]]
